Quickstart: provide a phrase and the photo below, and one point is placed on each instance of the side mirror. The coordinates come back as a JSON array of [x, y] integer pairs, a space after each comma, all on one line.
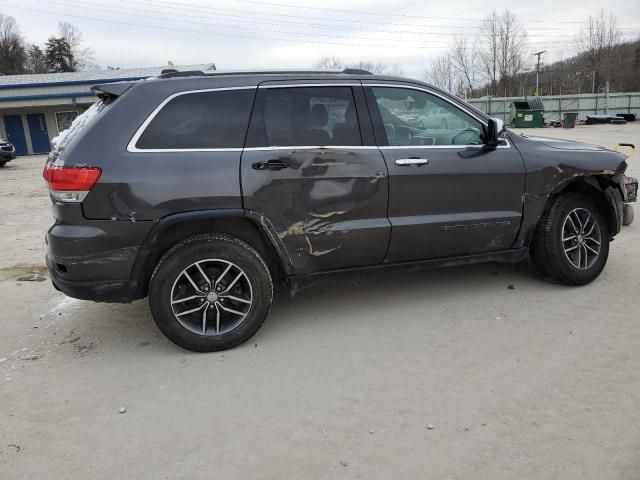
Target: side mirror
[[493, 132]]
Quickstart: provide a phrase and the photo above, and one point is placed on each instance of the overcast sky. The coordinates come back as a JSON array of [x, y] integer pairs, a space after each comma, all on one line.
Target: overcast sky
[[295, 33]]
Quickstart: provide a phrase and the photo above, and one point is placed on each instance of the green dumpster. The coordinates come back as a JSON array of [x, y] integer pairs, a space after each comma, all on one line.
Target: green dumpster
[[527, 113]]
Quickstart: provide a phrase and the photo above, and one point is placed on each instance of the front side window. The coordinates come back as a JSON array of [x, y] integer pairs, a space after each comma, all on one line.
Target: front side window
[[305, 116], [414, 117], [200, 120]]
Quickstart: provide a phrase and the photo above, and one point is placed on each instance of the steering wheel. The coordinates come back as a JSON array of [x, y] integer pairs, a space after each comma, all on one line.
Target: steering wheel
[[466, 130], [390, 130]]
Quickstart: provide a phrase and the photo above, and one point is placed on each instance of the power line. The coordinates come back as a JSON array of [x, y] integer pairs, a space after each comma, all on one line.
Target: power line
[[253, 29], [385, 14], [251, 14], [232, 35], [75, 3], [216, 9]]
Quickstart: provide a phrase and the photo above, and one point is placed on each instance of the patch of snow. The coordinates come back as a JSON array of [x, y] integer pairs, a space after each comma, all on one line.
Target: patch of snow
[[60, 142], [64, 303]]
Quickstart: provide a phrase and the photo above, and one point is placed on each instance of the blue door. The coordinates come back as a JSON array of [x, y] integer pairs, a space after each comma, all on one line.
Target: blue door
[[39, 134], [15, 133]]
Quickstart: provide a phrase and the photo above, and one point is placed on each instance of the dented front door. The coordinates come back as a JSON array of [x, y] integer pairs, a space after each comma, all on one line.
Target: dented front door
[[307, 169]]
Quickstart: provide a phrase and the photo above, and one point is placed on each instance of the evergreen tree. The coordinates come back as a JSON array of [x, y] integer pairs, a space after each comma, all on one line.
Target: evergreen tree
[[59, 56]]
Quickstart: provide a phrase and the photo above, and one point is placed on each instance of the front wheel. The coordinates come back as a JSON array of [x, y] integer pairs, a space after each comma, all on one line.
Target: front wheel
[[210, 293], [571, 243]]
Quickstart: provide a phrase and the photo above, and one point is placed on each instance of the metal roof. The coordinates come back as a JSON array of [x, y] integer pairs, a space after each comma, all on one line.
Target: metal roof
[[90, 76]]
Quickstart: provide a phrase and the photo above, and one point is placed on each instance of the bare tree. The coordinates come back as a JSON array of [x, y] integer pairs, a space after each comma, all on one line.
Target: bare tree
[[596, 40], [36, 60], [442, 73], [12, 50], [512, 41], [373, 67], [82, 57], [463, 57], [489, 49], [503, 40], [395, 69], [329, 63], [335, 63]]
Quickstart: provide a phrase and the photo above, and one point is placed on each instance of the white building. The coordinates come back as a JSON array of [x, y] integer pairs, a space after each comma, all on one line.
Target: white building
[[36, 108]]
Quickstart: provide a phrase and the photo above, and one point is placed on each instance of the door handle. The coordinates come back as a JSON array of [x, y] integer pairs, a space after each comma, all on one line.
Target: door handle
[[270, 165], [411, 162]]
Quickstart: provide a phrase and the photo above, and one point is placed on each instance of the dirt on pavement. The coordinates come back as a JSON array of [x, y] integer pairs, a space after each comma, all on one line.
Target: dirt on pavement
[[479, 372]]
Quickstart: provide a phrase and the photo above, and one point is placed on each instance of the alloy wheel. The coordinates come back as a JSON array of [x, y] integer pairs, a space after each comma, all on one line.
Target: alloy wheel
[[211, 297], [581, 238]]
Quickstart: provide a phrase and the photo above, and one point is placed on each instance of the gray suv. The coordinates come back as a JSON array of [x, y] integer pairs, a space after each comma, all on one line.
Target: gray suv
[[200, 190]]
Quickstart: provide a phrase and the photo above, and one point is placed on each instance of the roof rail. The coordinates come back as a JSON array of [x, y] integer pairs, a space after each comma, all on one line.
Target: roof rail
[[172, 73], [356, 71]]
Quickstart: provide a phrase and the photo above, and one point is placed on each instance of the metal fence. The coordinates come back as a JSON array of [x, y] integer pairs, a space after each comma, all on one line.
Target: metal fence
[[556, 106]]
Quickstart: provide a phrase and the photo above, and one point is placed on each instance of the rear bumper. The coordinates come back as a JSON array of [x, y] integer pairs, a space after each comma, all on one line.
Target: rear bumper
[[112, 291], [93, 259]]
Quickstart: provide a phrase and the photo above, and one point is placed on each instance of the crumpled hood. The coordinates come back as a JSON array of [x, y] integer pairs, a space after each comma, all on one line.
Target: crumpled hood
[[568, 144]]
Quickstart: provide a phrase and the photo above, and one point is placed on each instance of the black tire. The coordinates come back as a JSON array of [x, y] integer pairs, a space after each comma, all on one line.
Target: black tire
[[2, 164], [548, 249], [196, 249]]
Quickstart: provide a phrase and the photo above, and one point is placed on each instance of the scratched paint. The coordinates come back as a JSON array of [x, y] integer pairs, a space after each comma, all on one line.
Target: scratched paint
[[319, 253]]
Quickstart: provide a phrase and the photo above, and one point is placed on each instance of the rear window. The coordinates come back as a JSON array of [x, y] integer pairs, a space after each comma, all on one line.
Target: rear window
[[59, 143], [200, 120]]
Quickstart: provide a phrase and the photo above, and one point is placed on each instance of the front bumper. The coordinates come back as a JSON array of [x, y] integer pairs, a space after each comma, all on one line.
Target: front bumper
[[627, 214], [7, 156]]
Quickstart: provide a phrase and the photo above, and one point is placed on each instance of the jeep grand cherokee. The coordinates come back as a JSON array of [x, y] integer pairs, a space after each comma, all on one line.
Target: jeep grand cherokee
[[198, 190]]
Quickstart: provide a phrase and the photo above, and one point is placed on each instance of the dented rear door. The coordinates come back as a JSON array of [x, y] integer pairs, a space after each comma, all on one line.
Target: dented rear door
[[311, 168]]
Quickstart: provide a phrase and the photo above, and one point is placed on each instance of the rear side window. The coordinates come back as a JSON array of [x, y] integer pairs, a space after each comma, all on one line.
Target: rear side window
[[200, 120], [305, 116]]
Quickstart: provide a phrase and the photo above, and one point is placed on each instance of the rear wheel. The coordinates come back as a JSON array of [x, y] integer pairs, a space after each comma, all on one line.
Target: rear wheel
[[210, 293], [2, 164], [571, 244]]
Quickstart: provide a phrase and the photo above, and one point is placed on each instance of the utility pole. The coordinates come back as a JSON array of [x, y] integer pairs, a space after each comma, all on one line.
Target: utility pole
[[538, 54]]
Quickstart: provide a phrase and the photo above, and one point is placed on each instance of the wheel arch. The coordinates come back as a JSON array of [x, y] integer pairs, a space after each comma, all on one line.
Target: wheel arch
[[602, 189], [249, 226]]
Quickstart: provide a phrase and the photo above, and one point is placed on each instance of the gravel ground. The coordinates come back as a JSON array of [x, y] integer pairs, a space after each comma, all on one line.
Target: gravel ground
[[472, 372]]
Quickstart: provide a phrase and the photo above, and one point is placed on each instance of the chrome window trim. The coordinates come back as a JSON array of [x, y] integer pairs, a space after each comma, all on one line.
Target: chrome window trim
[[302, 85], [131, 146], [312, 147], [471, 145]]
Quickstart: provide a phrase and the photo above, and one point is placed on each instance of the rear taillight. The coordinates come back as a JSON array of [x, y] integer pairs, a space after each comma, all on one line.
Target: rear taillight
[[70, 184]]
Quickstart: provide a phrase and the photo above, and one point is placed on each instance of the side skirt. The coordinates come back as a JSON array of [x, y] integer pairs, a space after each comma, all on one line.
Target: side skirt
[[298, 282]]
